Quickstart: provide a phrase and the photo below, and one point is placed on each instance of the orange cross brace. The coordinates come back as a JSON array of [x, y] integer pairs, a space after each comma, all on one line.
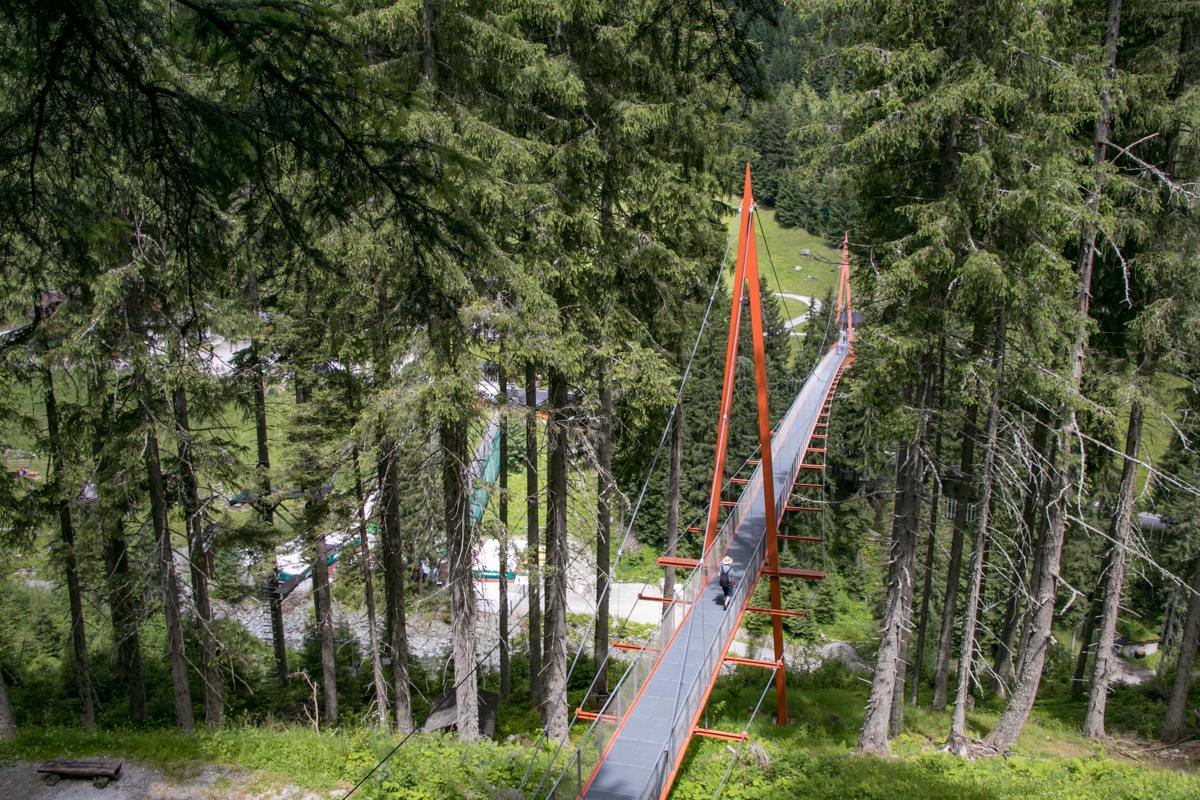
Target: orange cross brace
[[650, 598], [751, 662], [674, 561], [792, 572], [776, 612], [591, 715], [708, 733]]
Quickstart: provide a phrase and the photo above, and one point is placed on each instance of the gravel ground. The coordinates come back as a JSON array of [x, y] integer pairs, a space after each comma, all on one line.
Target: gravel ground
[[20, 781]]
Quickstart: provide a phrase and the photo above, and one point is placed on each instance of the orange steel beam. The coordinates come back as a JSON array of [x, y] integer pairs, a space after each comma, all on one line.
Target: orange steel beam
[[812, 466], [739, 480], [675, 561], [591, 715], [768, 484], [787, 538], [752, 662], [727, 503], [793, 572], [627, 646], [651, 598], [808, 509], [744, 246], [754, 461], [808, 486], [777, 612], [695, 530], [709, 733]]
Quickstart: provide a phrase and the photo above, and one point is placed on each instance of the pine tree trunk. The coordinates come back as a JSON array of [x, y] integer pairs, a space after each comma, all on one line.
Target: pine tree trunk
[[263, 470], [455, 490], [377, 681], [962, 496], [874, 736], [1039, 546], [966, 651], [1175, 721], [166, 564], [123, 606], [1093, 721], [1169, 634], [323, 606], [674, 494], [896, 717], [1088, 628], [274, 599], [392, 543], [555, 647], [884, 711], [1020, 582], [66, 528], [197, 558], [8, 721], [532, 539], [604, 496], [505, 646], [914, 678], [428, 53], [1012, 721]]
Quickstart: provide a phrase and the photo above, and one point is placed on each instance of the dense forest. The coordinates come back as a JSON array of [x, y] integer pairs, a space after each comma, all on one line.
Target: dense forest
[[360, 357]]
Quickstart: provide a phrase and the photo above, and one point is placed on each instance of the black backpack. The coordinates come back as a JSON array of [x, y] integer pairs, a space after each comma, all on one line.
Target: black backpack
[[725, 576]]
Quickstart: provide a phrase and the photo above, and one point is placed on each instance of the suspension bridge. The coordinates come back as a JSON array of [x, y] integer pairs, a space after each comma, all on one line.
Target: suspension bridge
[[631, 747]]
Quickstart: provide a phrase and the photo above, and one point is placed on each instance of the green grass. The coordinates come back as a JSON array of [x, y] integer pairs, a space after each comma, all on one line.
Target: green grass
[[638, 566], [789, 248], [1157, 428], [428, 766], [813, 756]]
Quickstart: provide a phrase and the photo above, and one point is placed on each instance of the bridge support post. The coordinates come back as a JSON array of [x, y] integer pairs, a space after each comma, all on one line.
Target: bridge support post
[[768, 471], [745, 281]]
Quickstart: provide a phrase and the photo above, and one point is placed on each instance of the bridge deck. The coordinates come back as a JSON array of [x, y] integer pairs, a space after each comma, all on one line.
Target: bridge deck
[[648, 742]]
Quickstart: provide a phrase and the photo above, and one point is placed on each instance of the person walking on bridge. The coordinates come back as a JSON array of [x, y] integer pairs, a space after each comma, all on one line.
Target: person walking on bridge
[[725, 579]]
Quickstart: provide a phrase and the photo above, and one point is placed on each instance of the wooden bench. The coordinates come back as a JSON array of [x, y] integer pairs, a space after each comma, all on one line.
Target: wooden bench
[[101, 770]]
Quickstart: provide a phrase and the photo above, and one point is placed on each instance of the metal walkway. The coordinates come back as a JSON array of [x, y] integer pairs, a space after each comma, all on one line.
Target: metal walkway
[[636, 742]]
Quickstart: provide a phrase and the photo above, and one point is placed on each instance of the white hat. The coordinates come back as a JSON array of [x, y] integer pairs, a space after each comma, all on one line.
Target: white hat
[[727, 560]]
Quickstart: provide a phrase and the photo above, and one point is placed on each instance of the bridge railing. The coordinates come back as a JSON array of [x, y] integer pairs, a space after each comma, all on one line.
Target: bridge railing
[[576, 772]]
